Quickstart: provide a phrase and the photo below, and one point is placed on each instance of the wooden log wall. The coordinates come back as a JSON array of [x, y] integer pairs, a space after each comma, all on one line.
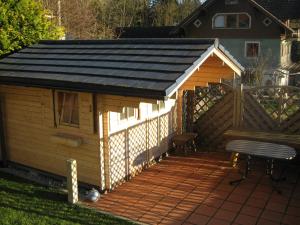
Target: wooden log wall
[[30, 123]]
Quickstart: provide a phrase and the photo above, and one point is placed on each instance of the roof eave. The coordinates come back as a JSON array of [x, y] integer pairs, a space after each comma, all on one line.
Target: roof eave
[[73, 86]]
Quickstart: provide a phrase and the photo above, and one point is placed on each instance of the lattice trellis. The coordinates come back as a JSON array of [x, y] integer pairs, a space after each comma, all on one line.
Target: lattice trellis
[[206, 97], [153, 139], [137, 147], [133, 148], [279, 102], [118, 166], [272, 108]]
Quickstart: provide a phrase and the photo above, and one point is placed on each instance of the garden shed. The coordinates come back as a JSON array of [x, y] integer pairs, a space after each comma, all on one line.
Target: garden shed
[[113, 105]]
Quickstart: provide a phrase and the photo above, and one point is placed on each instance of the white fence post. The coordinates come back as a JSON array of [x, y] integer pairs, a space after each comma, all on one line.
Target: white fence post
[[72, 184]]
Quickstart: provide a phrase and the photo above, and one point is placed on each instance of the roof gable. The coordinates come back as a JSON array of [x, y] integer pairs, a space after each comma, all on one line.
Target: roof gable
[[209, 3]]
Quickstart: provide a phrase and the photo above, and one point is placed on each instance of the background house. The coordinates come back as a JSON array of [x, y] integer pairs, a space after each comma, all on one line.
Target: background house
[[251, 30]]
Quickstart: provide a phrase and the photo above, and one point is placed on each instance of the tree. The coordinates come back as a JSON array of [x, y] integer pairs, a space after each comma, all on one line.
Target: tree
[[22, 23]]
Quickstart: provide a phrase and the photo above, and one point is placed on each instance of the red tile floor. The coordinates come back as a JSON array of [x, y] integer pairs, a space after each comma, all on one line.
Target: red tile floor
[[195, 189]]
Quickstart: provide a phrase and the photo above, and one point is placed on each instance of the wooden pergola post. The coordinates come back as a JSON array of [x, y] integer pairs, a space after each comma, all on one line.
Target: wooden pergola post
[[106, 150], [190, 111], [179, 110]]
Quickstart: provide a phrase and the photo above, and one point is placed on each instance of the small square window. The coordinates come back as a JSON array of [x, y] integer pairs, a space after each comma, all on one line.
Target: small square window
[[267, 22], [197, 23], [68, 108], [252, 49]]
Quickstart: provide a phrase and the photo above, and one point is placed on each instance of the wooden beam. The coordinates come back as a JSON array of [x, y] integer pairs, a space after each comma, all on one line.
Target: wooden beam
[[179, 111], [106, 150]]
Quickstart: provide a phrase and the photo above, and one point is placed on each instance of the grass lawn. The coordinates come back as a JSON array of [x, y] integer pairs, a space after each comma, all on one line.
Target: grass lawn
[[22, 202]]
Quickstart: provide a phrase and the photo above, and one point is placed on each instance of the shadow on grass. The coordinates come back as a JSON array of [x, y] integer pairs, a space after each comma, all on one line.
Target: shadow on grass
[[24, 196]]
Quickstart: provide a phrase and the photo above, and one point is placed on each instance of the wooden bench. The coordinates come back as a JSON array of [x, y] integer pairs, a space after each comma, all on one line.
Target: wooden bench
[[292, 140]]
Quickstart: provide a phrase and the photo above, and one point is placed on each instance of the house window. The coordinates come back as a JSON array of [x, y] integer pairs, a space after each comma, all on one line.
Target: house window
[[68, 108], [231, 21], [127, 113], [252, 49], [231, 2]]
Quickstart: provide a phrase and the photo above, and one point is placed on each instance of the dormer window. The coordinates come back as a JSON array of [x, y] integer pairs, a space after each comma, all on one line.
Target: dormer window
[[231, 2], [231, 21]]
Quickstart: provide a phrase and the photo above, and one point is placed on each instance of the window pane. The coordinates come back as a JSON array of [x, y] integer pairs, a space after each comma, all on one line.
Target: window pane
[[130, 112], [154, 107], [231, 21], [244, 21], [68, 108], [161, 105], [123, 114], [252, 49], [219, 21]]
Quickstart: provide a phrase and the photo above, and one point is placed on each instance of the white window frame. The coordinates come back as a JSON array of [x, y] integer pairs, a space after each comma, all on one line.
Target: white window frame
[[128, 118], [252, 42], [228, 28]]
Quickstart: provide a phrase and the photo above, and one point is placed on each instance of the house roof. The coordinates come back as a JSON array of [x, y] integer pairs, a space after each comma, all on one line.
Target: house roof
[[145, 32], [283, 9], [208, 3], [151, 68]]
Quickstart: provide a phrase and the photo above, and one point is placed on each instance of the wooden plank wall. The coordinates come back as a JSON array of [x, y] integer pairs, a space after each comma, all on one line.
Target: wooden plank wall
[[30, 124], [213, 70]]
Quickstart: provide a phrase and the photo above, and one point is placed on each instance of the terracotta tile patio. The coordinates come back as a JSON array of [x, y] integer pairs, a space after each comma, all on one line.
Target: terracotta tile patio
[[194, 189]]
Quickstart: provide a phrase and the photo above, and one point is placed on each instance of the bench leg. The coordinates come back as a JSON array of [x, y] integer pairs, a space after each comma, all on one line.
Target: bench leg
[[234, 159]]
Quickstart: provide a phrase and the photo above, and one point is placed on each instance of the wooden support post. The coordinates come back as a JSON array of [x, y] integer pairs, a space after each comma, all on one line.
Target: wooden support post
[[106, 150], [72, 183], [179, 111], [190, 111]]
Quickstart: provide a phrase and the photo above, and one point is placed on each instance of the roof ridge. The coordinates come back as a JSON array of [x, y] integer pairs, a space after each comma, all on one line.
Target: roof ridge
[[135, 41]]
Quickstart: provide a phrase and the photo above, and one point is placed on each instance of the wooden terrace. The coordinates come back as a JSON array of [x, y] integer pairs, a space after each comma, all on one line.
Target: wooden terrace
[[195, 190]]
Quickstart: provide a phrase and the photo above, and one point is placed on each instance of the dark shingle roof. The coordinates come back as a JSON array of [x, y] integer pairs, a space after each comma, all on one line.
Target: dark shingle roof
[[133, 67], [283, 9]]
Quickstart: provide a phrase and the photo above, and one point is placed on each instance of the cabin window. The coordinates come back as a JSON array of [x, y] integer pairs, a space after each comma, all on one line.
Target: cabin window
[[155, 107], [252, 49], [68, 108], [162, 105], [231, 21], [128, 113], [159, 106]]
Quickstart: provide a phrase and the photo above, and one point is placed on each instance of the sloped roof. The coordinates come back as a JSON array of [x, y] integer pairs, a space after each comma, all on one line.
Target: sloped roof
[[283, 9], [150, 68]]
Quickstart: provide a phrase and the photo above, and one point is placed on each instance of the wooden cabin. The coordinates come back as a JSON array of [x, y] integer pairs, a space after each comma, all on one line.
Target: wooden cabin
[[113, 105]]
